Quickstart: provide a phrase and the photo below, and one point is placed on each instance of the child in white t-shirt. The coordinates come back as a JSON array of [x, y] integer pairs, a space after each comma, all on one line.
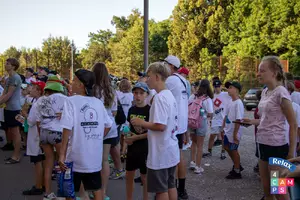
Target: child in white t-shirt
[[33, 140], [49, 109], [163, 154], [85, 122], [234, 113]]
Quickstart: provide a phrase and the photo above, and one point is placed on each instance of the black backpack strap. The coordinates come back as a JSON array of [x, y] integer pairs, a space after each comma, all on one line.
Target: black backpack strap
[[181, 80]]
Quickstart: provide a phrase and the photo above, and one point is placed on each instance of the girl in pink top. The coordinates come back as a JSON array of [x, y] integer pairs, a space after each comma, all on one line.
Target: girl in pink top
[[275, 108]]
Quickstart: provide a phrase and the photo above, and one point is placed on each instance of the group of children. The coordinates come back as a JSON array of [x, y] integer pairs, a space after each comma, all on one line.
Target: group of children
[[82, 130]]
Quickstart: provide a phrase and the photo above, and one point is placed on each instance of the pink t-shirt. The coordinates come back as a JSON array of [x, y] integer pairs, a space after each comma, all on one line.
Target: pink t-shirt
[[272, 130]]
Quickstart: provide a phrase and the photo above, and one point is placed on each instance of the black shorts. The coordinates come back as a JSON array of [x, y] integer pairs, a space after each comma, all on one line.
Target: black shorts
[[136, 160], [90, 181], [266, 151], [256, 150], [10, 118], [36, 159], [112, 141], [180, 140]]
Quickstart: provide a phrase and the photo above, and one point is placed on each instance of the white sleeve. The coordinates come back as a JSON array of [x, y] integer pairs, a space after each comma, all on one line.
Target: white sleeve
[[170, 84], [114, 106], [239, 112], [67, 118], [32, 116], [38, 114], [208, 105], [106, 119], [297, 112], [161, 111]]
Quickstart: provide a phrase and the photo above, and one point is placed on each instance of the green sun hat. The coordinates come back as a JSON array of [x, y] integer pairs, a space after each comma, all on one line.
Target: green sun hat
[[54, 83]]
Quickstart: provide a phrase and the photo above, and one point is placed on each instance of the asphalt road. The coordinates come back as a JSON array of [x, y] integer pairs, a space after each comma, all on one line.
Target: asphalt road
[[211, 185]]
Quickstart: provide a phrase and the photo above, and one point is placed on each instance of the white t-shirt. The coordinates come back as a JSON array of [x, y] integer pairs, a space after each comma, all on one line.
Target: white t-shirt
[[163, 150], [28, 80], [235, 111], [296, 97], [1, 109], [296, 108], [33, 139], [114, 108], [87, 118], [175, 85], [220, 102], [150, 96], [47, 109], [207, 105], [126, 101]]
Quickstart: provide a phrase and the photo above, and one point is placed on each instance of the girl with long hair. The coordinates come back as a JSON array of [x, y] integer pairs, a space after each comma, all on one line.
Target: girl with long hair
[[206, 94], [105, 92], [274, 138]]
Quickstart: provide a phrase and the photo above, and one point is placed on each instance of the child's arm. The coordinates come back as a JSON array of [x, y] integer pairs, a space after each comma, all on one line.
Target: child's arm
[[63, 151], [235, 131], [148, 125], [133, 138]]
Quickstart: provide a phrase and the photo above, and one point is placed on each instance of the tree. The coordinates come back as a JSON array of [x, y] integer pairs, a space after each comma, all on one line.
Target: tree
[[13, 52]]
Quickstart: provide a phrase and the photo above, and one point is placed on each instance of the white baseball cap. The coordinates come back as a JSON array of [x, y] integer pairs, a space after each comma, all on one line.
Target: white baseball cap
[[173, 60]]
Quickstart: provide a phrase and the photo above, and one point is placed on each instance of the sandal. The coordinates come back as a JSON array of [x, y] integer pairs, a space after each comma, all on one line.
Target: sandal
[[7, 159], [12, 161]]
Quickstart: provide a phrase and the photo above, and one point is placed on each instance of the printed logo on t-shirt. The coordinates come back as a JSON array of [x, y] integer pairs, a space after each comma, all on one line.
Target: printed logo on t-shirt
[[217, 104], [139, 129], [90, 117], [47, 108]]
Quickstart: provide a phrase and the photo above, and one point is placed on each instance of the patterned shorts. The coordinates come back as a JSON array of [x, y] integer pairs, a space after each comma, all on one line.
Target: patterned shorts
[[50, 137]]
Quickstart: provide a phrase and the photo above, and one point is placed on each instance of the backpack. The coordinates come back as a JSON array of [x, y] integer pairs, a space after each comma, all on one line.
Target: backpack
[[194, 117], [120, 117]]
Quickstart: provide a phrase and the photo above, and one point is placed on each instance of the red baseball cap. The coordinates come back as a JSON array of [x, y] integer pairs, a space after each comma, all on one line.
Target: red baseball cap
[[297, 84], [41, 84], [184, 70]]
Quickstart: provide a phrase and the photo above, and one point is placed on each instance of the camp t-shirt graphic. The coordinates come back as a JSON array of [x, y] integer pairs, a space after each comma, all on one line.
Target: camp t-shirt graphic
[[49, 109], [89, 122], [220, 102]]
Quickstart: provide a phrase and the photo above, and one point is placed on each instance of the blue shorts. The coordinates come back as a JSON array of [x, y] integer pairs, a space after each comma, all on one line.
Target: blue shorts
[[232, 146]]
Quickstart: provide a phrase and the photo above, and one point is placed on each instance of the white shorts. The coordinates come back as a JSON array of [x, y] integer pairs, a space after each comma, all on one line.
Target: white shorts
[[215, 130]]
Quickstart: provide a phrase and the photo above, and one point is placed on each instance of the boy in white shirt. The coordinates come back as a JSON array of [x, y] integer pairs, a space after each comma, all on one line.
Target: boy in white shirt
[[163, 153], [234, 113], [85, 122]]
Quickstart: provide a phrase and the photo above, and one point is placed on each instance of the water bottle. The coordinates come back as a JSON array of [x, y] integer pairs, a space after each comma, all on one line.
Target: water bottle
[[126, 131], [202, 112]]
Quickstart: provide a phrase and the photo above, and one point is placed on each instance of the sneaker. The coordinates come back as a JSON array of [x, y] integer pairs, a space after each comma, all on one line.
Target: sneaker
[[8, 147], [198, 170], [33, 191], [206, 155], [234, 175], [118, 175], [223, 157], [183, 195], [192, 165], [49, 197], [138, 180], [217, 143], [241, 169]]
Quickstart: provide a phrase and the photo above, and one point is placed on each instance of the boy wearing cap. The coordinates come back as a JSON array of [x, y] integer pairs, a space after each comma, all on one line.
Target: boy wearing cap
[[220, 101], [137, 142], [231, 128], [33, 141], [85, 122], [178, 86], [163, 150]]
